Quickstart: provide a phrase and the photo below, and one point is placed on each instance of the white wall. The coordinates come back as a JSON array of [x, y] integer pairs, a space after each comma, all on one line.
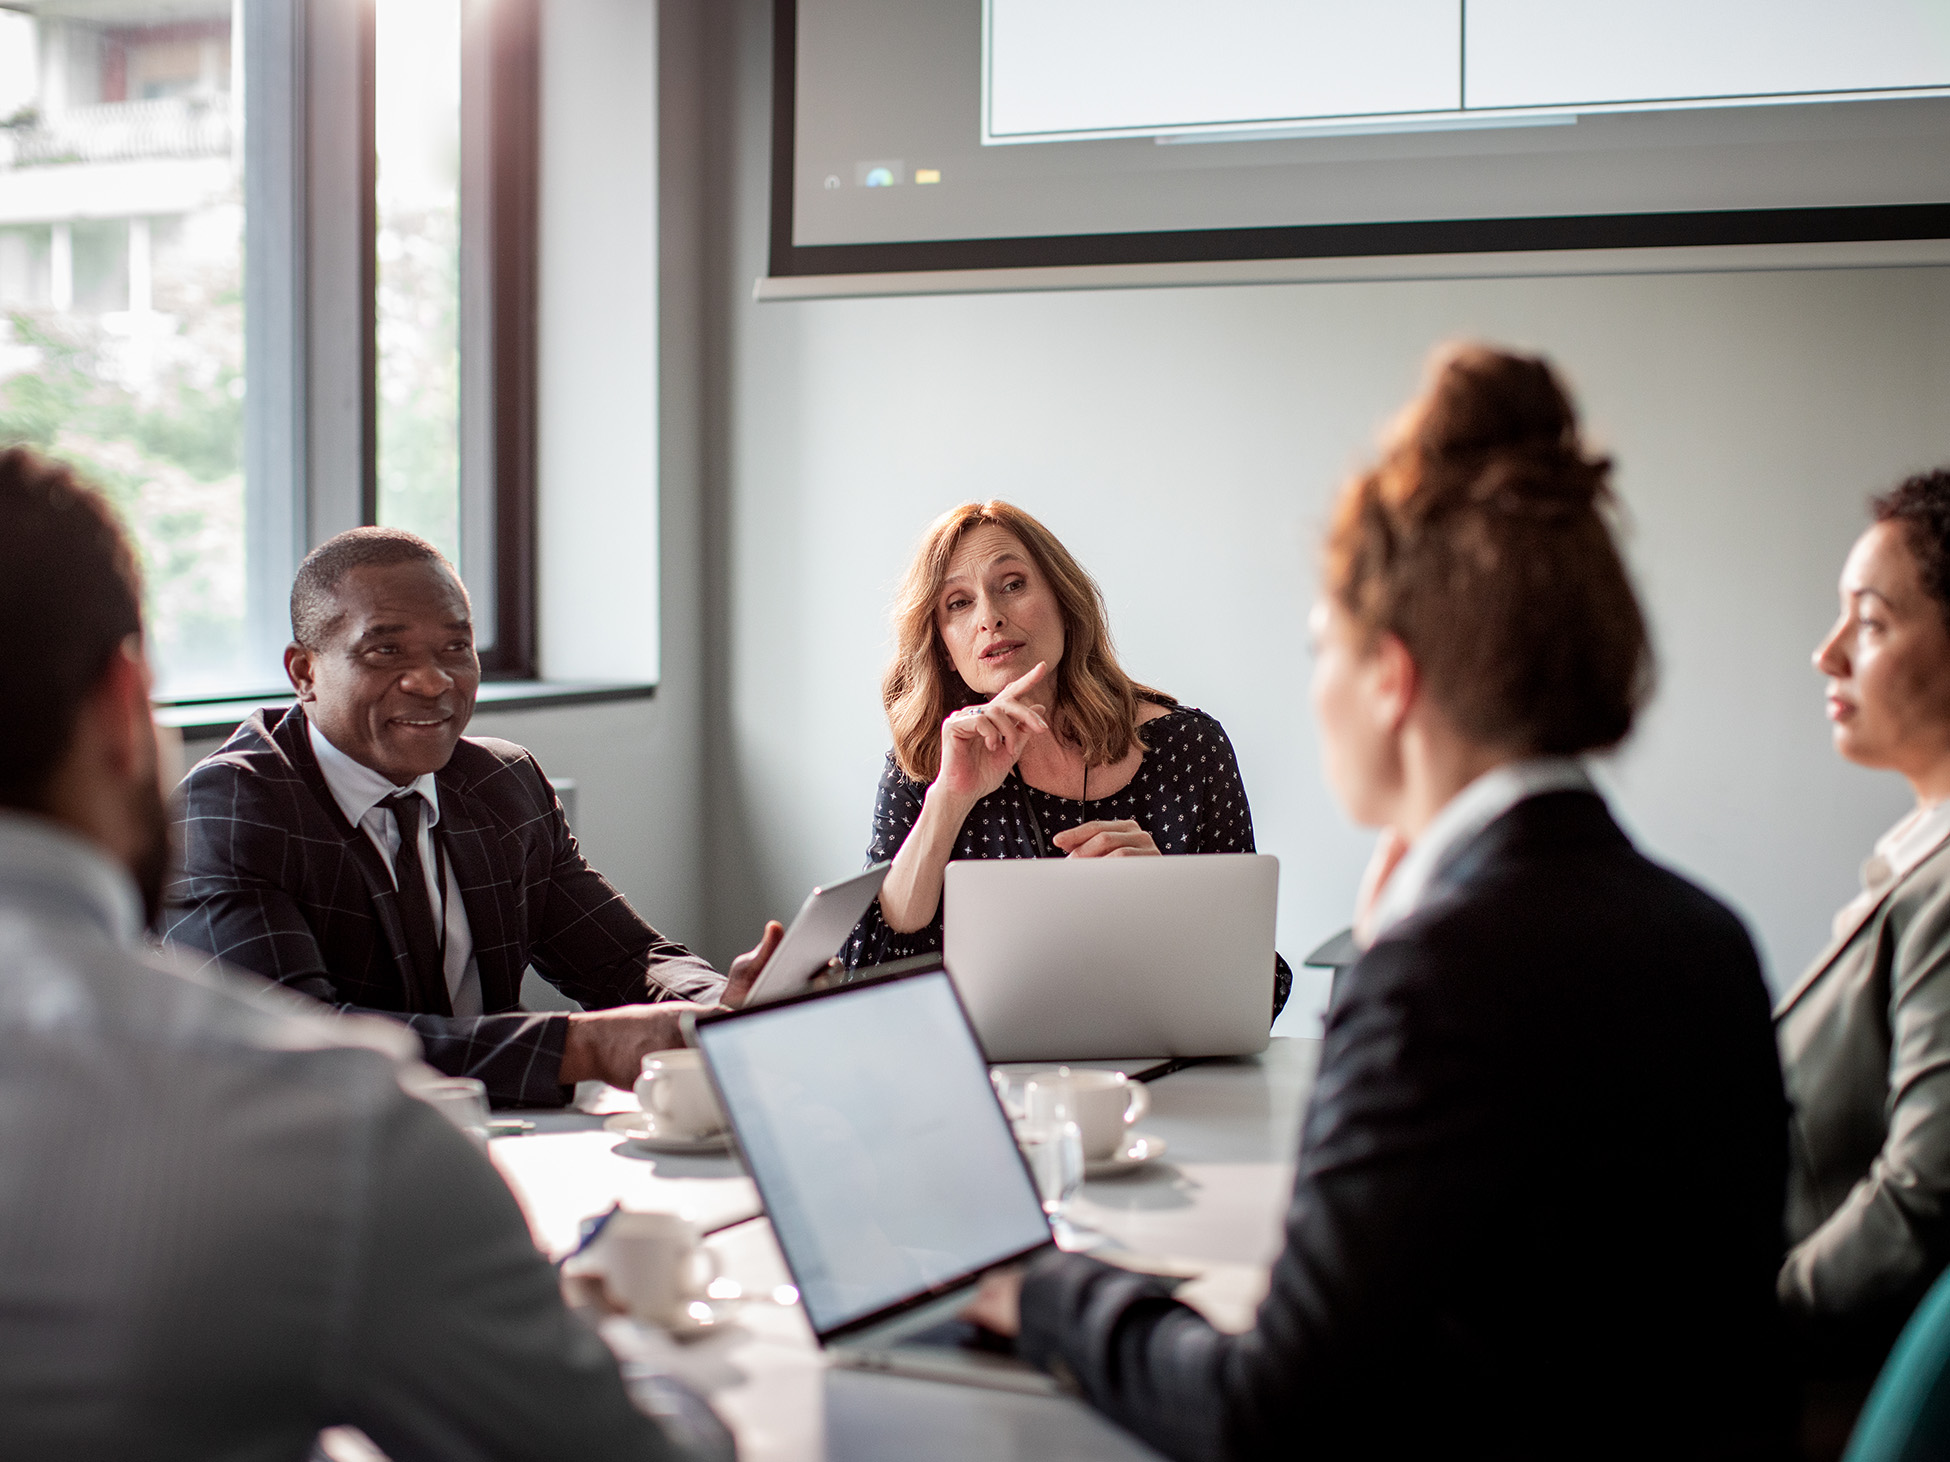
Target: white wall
[[1186, 443], [597, 342]]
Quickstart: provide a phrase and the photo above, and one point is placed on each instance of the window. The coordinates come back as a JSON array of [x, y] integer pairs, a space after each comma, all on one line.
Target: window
[[417, 107], [196, 194], [121, 292]]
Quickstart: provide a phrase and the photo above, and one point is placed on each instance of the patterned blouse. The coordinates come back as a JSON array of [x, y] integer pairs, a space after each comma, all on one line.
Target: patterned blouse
[[1186, 794]]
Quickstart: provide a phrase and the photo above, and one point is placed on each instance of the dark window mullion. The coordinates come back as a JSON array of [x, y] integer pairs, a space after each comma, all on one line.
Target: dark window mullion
[[500, 146]]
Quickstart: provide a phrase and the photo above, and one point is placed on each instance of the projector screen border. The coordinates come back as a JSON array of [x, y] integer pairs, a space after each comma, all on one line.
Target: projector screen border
[[1184, 274], [1434, 248]]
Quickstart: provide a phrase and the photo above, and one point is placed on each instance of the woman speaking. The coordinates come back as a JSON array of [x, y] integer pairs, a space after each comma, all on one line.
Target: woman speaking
[[1018, 735]]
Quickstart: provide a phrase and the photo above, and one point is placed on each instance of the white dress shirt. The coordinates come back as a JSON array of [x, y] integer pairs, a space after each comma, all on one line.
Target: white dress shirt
[[1466, 814], [1909, 842], [361, 794]]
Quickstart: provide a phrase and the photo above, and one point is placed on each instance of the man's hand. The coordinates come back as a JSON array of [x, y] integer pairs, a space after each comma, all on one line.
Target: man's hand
[[609, 1045], [997, 1306], [746, 969]]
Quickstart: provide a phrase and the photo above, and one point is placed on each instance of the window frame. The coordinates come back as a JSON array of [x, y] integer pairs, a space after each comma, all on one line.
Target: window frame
[[311, 426]]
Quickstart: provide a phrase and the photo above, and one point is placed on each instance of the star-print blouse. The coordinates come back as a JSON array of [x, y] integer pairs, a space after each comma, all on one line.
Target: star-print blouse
[[1186, 794]]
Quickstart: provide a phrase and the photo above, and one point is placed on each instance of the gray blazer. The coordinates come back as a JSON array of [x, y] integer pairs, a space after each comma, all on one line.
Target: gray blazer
[[1865, 1048]]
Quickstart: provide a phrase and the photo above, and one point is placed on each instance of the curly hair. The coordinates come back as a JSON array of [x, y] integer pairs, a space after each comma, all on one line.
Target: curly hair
[[1094, 703], [1920, 505], [1483, 540]]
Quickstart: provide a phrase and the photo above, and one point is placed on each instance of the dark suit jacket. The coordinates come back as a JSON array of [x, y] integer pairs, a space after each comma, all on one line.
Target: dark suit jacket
[[275, 880], [1538, 1206]]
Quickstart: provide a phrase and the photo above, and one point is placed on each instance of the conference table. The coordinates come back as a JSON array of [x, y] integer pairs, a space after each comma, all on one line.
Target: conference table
[[1211, 1204]]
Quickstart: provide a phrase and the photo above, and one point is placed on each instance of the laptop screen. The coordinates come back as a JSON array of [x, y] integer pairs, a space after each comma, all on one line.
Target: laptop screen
[[886, 1164]]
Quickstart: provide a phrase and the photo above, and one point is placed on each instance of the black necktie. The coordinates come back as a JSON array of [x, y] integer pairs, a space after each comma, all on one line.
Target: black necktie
[[423, 945]]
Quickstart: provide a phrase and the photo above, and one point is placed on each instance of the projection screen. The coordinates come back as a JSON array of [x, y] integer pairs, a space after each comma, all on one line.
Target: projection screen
[[994, 134]]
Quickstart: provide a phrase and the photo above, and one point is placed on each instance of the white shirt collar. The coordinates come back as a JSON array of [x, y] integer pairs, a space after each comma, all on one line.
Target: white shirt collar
[[1466, 814], [357, 788], [1919, 833], [1905, 845], [43, 863]]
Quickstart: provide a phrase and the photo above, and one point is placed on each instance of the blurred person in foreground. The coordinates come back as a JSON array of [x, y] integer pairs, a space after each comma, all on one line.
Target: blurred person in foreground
[[1865, 1032], [1017, 734], [226, 1224], [360, 849], [1538, 1205]]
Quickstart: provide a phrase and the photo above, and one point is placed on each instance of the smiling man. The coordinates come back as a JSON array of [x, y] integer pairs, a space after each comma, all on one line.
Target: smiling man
[[361, 849]]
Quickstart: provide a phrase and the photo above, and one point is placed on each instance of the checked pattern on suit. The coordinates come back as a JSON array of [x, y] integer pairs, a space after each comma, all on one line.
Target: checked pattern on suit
[[276, 881]]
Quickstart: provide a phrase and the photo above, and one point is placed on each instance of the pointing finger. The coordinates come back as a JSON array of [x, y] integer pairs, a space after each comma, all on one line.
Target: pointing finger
[[1026, 679]]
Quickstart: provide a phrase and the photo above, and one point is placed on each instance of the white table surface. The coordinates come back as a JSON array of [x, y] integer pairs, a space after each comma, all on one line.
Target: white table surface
[[1216, 1197]]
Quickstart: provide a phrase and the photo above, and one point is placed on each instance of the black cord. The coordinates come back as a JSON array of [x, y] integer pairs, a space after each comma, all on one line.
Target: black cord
[[1029, 807]]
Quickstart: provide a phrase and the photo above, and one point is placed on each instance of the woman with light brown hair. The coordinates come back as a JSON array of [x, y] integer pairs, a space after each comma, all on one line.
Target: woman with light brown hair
[[1018, 735], [1537, 1203]]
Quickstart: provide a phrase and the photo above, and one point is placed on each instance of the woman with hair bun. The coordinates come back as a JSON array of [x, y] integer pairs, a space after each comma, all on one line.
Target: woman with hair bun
[[1865, 1033], [1537, 1212]]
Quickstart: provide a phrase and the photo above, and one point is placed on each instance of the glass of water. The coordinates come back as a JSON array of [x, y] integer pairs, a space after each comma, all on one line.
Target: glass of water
[[1049, 1138], [461, 1100], [1008, 1090]]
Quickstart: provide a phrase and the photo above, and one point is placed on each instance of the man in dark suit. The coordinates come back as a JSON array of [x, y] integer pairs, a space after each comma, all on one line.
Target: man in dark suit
[[360, 849], [262, 1232]]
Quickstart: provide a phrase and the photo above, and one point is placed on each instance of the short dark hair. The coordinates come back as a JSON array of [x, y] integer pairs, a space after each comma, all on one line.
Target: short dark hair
[[70, 596], [314, 604], [1483, 539], [1920, 505]]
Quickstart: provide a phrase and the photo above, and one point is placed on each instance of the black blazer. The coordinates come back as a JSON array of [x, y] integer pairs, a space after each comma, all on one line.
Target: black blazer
[[1538, 1206], [275, 880]]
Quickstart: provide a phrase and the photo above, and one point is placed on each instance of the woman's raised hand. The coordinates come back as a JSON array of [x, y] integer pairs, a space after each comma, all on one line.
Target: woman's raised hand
[[979, 744]]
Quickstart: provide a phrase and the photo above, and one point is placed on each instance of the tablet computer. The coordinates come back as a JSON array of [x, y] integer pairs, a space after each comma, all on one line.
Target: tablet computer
[[820, 928]]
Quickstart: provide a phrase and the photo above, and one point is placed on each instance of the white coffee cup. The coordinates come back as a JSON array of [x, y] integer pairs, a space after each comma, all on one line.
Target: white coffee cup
[[1105, 1105], [652, 1264], [675, 1094]]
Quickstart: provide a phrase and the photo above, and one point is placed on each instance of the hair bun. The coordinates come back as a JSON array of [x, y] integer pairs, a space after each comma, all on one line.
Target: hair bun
[[1480, 541], [1493, 429], [1483, 400]]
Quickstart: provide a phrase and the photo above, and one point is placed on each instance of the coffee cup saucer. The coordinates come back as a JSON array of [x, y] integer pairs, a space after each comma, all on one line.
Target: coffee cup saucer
[[699, 1317], [638, 1128], [1137, 1149], [700, 1314]]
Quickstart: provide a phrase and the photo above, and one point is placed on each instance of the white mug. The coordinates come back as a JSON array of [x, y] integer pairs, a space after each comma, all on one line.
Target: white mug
[[652, 1264], [675, 1094], [1104, 1105]]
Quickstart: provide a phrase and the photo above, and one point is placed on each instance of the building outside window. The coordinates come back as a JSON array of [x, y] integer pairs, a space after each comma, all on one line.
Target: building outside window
[[377, 396], [121, 291]]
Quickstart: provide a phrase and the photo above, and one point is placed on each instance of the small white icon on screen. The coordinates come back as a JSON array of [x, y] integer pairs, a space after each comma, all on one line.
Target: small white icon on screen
[[880, 172], [832, 181]]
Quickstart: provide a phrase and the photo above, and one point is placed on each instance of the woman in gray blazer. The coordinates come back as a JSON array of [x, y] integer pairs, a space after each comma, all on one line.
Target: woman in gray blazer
[[1865, 1033]]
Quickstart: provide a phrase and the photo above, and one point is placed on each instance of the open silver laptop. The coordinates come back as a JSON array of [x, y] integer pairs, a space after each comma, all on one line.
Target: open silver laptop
[[886, 1166], [1082, 958]]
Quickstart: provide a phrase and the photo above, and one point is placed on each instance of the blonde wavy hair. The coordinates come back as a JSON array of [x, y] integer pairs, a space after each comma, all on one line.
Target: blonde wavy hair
[[1094, 704]]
